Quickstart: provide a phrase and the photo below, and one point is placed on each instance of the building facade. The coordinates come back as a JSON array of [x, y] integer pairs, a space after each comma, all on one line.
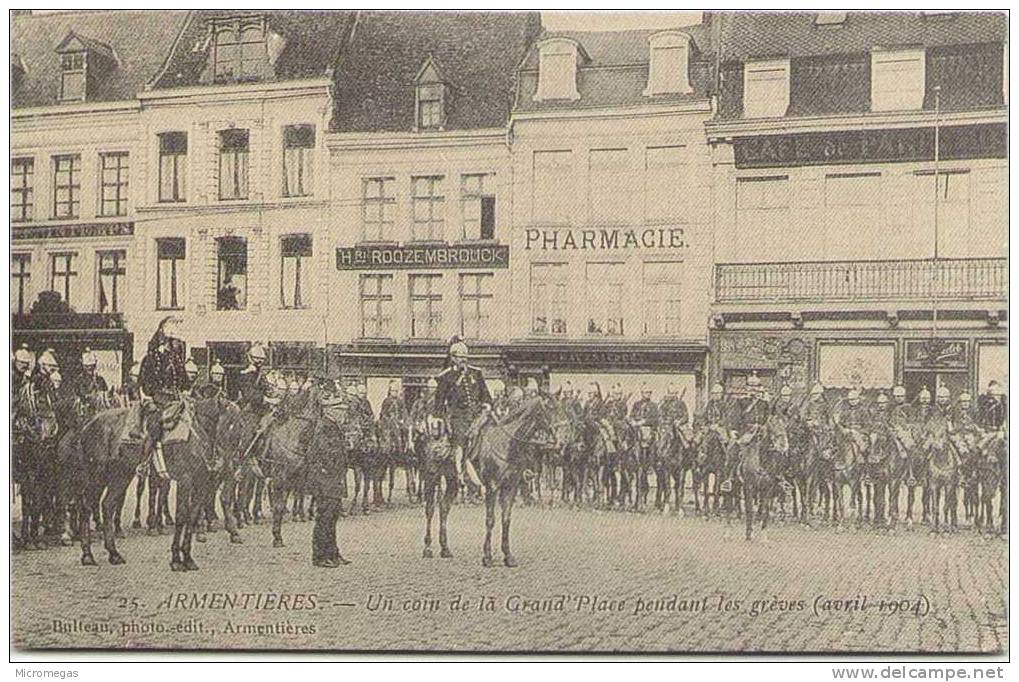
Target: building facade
[[860, 200]]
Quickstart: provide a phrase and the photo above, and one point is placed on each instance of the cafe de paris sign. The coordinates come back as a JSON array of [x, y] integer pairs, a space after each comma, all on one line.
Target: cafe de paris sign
[[605, 239]]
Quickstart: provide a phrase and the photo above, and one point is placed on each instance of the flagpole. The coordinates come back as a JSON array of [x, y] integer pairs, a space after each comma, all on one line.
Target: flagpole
[[935, 277]]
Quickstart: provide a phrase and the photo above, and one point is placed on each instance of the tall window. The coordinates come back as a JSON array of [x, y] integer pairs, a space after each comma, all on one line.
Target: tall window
[[477, 205], [553, 172], [953, 196], [378, 208], [665, 183], [170, 254], [429, 208], [173, 156], [112, 274], [376, 306], [63, 275], [662, 298], [667, 69], [113, 186], [232, 273], [610, 190], [897, 79], [430, 109], [766, 88], [557, 71], [21, 277], [22, 184], [72, 76], [295, 259], [239, 49], [605, 298], [549, 298], [475, 304], [298, 148], [233, 164], [425, 306], [66, 186]]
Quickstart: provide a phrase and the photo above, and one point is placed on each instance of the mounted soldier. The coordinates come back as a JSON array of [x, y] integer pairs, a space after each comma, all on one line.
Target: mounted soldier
[[784, 405], [596, 416], [90, 388], [130, 392], [752, 412], [900, 421], [21, 369], [462, 397], [943, 402], [252, 383], [644, 417], [852, 415], [164, 381], [190, 376], [815, 412], [214, 386], [673, 411], [992, 407], [924, 410], [963, 416]]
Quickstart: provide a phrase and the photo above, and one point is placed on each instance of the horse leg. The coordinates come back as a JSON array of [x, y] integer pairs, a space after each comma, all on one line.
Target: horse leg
[[486, 556], [748, 513], [256, 504], [192, 512], [114, 498], [278, 502], [139, 481], [506, 496], [228, 501], [445, 505], [429, 488], [87, 493]]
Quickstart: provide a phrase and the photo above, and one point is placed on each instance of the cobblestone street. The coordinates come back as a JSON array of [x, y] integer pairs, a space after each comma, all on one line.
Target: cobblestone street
[[587, 581]]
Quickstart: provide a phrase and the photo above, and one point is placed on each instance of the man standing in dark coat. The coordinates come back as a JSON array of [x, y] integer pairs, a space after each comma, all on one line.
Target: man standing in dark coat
[[992, 407], [327, 472]]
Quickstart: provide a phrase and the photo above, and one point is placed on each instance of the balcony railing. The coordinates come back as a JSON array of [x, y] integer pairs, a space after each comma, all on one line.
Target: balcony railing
[[915, 280]]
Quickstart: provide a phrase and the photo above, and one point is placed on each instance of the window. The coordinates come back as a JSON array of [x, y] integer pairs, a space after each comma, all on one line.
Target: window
[[111, 271], [429, 207], [233, 164], [953, 198], [830, 18], [475, 304], [553, 171], [63, 275], [173, 156], [897, 80], [22, 184], [239, 50], [609, 194], [557, 71], [425, 306], [549, 298], [431, 112], [605, 298], [72, 76], [376, 306], [170, 254], [668, 70], [232, 273], [21, 277], [662, 298], [295, 259], [665, 183], [378, 209], [66, 186], [113, 185], [477, 205], [762, 193], [852, 189], [766, 88], [298, 148]]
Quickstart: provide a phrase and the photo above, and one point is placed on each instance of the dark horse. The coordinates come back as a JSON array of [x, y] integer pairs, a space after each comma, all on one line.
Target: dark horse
[[503, 452], [437, 465], [35, 435], [761, 467]]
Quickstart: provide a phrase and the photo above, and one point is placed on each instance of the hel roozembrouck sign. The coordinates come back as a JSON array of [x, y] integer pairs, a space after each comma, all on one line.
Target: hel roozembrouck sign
[[422, 256]]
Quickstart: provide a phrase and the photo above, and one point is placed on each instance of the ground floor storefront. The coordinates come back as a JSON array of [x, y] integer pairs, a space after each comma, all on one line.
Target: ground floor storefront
[[69, 335]]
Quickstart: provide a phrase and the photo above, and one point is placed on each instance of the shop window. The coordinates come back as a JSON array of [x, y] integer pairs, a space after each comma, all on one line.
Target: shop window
[[113, 184], [856, 365], [605, 282], [549, 298], [173, 155], [232, 273], [477, 205], [170, 254], [376, 306], [298, 153], [378, 209], [233, 164], [476, 302], [111, 271], [67, 186], [22, 188], [295, 260], [428, 208], [425, 306], [21, 279]]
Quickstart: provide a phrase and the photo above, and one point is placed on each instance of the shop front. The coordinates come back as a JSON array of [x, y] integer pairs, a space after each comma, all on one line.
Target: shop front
[[71, 333]]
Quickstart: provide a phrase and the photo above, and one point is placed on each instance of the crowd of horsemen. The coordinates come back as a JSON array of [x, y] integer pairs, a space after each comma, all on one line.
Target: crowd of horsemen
[[622, 433]]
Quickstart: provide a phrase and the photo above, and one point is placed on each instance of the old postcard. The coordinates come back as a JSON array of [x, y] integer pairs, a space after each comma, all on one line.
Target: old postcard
[[393, 331]]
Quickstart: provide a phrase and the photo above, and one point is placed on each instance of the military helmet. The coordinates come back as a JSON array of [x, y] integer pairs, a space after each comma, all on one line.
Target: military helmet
[[48, 361], [717, 390], [256, 352], [786, 391], [23, 357], [294, 385], [925, 395], [458, 349], [432, 383], [362, 390], [965, 397], [854, 394], [531, 386], [753, 380], [899, 391], [217, 370], [516, 393], [817, 389], [645, 390], [394, 387], [55, 378], [88, 358], [882, 398], [190, 368], [943, 394]]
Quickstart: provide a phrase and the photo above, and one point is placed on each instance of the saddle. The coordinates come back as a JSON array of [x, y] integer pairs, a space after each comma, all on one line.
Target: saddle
[[129, 435], [176, 419]]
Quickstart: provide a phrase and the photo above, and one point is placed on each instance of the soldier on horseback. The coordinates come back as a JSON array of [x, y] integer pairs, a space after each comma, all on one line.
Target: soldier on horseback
[[252, 382], [992, 407], [644, 417], [130, 392], [462, 396], [214, 386], [21, 369], [90, 388], [784, 405], [163, 380], [853, 416], [752, 411]]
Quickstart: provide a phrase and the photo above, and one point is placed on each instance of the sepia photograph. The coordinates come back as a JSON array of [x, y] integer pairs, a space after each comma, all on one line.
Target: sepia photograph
[[393, 332]]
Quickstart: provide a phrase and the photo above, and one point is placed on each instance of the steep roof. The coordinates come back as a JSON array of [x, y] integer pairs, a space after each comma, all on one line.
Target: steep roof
[[139, 39], [476, 52], [311, 43], [614, 69], [746, 35]]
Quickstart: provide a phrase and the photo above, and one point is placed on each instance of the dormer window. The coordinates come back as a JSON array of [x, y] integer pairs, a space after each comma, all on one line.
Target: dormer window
[[766, 88], [430, 102], [239, 49], [668, 67], [897, 79], [557, 70], [72, 76], [830, 19]]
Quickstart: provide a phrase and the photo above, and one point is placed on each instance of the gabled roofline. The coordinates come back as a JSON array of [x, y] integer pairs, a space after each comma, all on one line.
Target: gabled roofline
[[150, 83]]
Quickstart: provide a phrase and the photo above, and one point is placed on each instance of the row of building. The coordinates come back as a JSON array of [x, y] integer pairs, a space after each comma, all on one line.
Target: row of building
[[804, 196]]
